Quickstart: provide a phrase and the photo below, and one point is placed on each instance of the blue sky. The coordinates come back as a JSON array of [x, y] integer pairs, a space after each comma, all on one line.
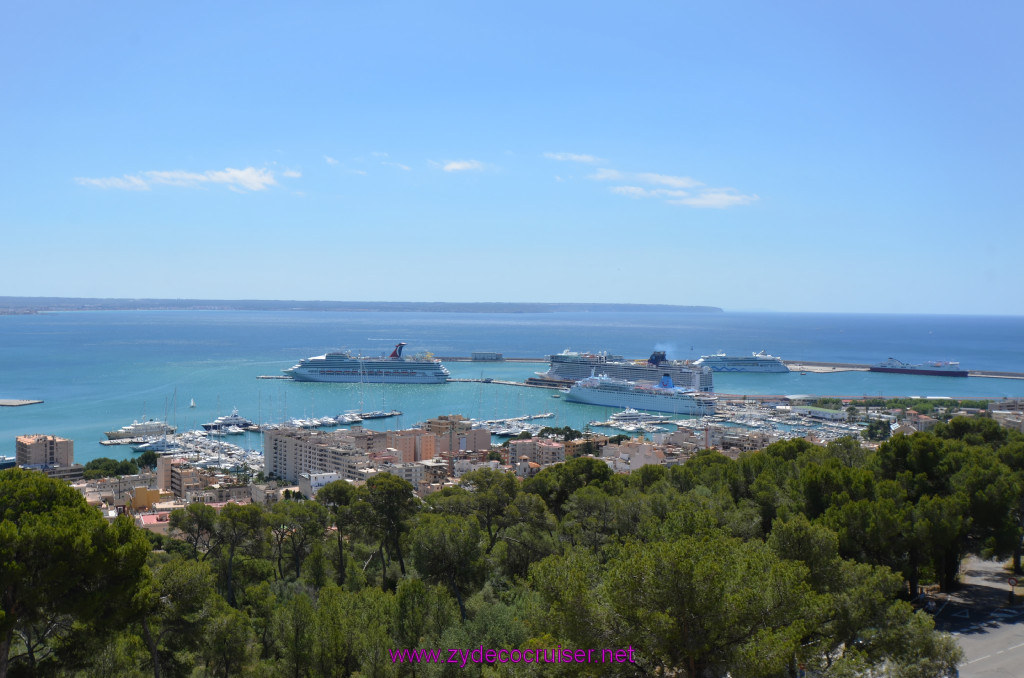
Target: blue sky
[[853, 157]]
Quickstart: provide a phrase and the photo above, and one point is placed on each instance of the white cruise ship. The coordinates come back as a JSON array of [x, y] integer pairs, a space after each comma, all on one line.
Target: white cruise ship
[[572, 366], [344, 367], [758, 362], [662, 397], [141, 429]]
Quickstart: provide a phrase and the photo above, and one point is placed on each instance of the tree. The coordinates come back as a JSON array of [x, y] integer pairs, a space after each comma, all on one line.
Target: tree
[[59, 559], [296, 525], [147, 459], [709, 603], [169, 608], [338, 496], [392, 503], [556, 484], [493, 492], [446, 550], [236, 526], [196, 524]]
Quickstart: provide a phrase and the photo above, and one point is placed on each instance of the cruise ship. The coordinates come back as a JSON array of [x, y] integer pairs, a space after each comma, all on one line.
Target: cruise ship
[[570, 366], [661, 397], [757, 362], [228, 420], [141, 429], [937, 369], [343, 366]]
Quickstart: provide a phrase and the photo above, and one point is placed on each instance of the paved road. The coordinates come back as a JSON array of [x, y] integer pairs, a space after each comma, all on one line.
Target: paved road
[[989, 629]]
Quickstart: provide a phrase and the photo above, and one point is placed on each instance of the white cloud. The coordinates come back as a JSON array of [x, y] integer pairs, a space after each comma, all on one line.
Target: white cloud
[[398, 165], [573, 157], [248, 179], [717, 198], [329, 160], [697, 195], [463, 166], [605, 174], [639, 192], [667, 180], [291, 174], [125, 183], [362, 172]]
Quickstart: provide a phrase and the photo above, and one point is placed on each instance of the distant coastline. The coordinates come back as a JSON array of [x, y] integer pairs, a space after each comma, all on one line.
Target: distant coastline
[[31, 305]]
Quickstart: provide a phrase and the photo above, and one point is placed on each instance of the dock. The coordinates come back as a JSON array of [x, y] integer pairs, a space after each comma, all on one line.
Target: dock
[[18, 403]]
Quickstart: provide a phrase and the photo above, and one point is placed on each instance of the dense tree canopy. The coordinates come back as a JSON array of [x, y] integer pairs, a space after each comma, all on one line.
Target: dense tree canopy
[[794, 555]]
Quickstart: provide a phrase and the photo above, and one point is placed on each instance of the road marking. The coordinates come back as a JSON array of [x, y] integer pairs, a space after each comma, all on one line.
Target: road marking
[[966, 614], [1015, 646], [979, 659]]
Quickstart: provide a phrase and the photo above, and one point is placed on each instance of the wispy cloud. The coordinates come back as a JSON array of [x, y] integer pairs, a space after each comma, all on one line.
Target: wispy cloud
[[398, 165], [716, 198], [667, 180], [248, 179], [463, 166], [573, 157], [125, 183], [605, 174], [291, 174], [696, 193], [329, 160], [640, 192]]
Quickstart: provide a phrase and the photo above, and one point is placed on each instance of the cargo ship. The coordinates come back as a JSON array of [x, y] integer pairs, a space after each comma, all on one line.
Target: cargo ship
[[935, 369]]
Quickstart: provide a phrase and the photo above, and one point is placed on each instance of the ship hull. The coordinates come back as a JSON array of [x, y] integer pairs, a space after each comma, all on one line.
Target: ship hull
[[912, 370], [771, 369], [395, 375]]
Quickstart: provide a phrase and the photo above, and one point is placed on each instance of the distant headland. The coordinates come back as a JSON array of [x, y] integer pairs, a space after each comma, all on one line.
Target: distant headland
[[30, 305]]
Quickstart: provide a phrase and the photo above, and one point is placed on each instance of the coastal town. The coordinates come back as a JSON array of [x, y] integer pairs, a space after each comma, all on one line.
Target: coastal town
[[299, 458]]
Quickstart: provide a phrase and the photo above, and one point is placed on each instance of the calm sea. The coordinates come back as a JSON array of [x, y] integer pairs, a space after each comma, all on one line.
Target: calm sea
[[98, 371]]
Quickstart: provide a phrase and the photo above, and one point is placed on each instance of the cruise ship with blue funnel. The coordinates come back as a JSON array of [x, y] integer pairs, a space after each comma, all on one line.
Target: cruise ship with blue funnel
[[661, 397]]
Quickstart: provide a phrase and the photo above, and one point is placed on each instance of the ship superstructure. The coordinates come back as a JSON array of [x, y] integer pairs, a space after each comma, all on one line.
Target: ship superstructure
[[570, 366], [346, 367], [757, 362]]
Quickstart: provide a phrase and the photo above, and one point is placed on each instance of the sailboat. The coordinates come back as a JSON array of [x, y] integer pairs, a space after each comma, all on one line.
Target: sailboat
[[192, 402]]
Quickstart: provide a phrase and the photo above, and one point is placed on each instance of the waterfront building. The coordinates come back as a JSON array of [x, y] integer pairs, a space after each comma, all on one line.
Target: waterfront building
[[591, 443], [310, 483], [44, 450], [543, 451], [219, 494], [412, 472], [184, 479], [629, 455], [414, 444]]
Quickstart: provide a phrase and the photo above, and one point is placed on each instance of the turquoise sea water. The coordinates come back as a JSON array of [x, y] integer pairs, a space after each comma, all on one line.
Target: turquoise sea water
[[97, 371]]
